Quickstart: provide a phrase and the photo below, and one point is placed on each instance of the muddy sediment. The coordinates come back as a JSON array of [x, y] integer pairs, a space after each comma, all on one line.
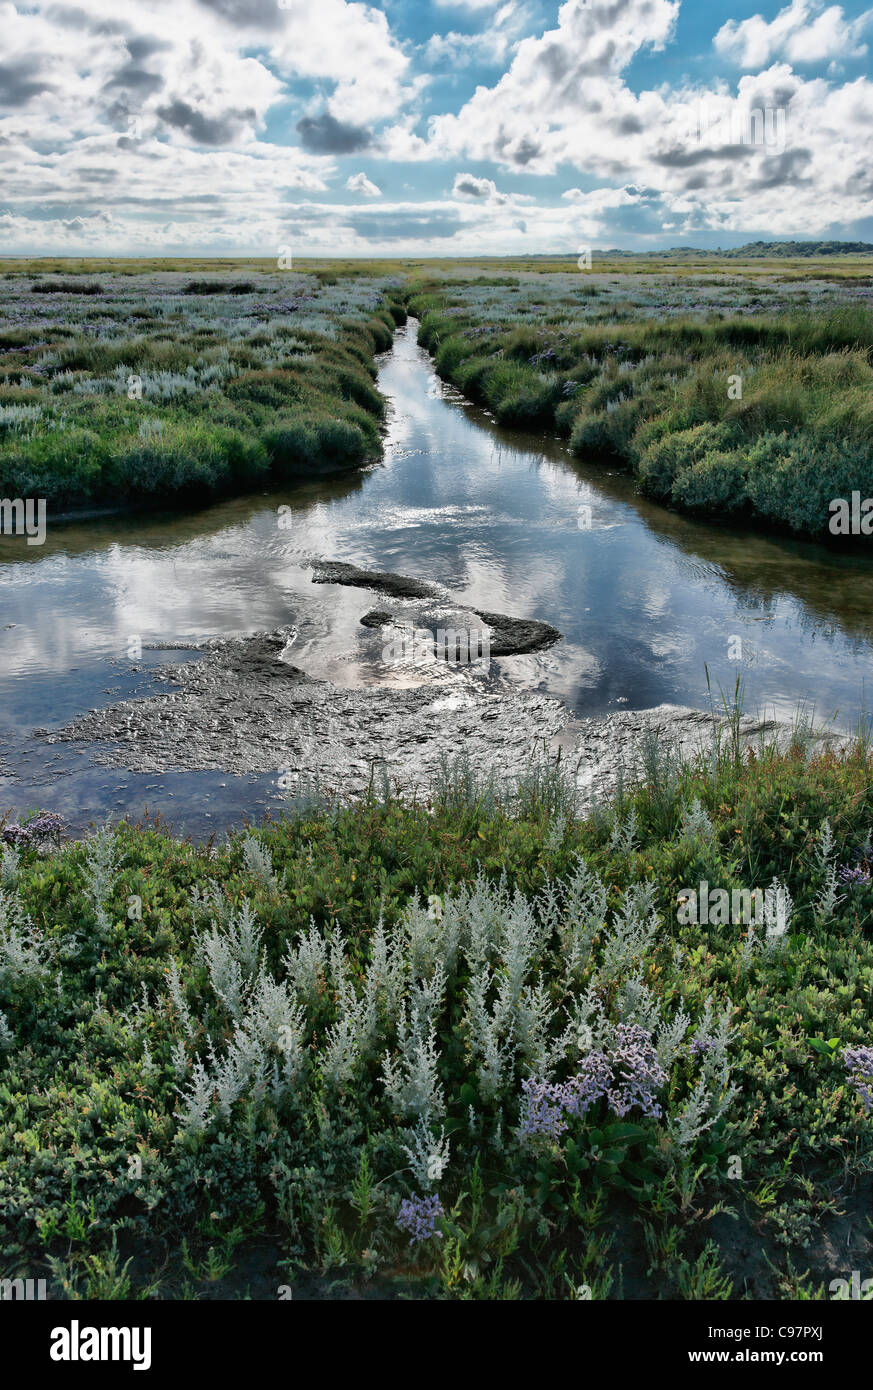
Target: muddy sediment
[[243, 707], [396, 585]]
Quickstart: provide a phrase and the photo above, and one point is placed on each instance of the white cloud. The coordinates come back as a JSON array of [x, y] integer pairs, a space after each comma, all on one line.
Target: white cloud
[[489, 47], [778, 153], [466, 186], [359, 183], [804, 32], [554, 81], [352, 46], [198, 80]]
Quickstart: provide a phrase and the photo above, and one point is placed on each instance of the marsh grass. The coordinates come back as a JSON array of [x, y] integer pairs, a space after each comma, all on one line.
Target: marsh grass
[[651, 379], [188, 389], [385, 1001]]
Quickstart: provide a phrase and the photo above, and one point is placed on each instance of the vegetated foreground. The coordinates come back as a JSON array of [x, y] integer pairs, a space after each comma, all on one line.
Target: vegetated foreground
[[462, 1050], [139, 387], [735, 396]]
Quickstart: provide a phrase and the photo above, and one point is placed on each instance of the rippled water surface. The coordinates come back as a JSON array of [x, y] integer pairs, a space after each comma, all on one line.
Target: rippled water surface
[[646, 600]]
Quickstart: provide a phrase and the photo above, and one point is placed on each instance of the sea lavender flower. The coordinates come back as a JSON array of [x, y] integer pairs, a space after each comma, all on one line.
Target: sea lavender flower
[[418, 1217], [859, 1065], [542, 1109], [856, 875], [45, 825], [627, 1077], [547, 356], [589, 1085], [638, 1072], [15, 835]]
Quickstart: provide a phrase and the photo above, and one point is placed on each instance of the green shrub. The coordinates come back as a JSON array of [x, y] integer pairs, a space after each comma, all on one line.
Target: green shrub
[[715, 486], [793, 478], [219, 287], [770, 416], [661, 462], [221, 405], [358, 1004]]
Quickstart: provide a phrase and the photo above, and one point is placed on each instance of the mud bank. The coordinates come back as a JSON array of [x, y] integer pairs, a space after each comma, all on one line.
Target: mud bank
[[244, 708]]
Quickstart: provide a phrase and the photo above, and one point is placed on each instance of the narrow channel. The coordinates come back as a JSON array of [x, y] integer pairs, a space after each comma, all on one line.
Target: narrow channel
[[646, 600]]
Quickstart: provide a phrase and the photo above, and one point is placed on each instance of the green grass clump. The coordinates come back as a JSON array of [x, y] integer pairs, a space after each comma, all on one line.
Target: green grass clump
[[66, 287], [762, 416], [218, 287], [184, 390]]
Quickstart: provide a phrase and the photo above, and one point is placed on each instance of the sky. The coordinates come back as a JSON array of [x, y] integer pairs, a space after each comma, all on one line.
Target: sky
[[431, 127]]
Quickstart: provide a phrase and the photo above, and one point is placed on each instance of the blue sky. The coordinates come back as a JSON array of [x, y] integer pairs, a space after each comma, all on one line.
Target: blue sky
[[478, 127]]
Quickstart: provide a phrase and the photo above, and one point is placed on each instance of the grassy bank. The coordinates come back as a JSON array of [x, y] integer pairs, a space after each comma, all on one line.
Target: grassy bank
[[147, 386], [726, 398], [733, 389], [465, 1049]]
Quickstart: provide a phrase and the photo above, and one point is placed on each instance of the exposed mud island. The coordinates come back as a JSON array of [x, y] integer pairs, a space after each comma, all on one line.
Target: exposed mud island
[[244, 707]]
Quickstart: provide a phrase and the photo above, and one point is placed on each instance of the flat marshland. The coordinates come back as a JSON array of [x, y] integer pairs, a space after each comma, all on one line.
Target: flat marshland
[[143, 388], [489, 1040]]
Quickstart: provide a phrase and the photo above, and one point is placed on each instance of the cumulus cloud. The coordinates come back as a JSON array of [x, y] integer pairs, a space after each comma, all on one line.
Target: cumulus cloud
[[222, 129], [466, 186], [359, 183], [459, 50], [352, 46], [324, 134], [804, 32], [775, 153], [222, 122], [553, 81], [20, 80]]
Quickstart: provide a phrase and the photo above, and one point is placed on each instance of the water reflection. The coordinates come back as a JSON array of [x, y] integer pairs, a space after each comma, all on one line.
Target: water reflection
[[646, 598]]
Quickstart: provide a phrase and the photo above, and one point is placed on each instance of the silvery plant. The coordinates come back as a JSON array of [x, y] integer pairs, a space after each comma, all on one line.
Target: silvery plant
[[25, 952], [543, 1004]]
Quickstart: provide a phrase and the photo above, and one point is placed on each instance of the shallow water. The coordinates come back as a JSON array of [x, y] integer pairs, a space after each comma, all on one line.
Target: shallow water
[[646, 599]]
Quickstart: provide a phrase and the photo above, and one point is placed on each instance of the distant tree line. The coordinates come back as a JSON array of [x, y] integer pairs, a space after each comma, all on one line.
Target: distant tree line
[[751, 249], [802, 248]]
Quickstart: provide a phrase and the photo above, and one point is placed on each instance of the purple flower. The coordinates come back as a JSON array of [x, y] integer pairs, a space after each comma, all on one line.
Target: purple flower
[[46, 824], [15, 835], [855, 876], [418, 1217], [589, 1084], [542, 1109], [858, 873], [638, 1072], [627, 1076], [859, 1065]]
